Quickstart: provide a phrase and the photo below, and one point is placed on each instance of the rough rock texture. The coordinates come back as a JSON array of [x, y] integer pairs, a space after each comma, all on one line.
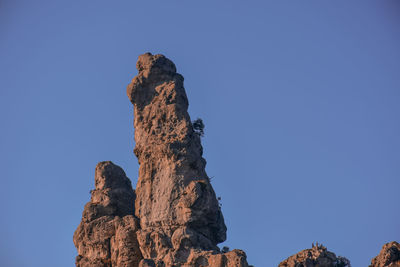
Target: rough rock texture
[[389, 256], [180, 219], [317, 256], [106, 235]]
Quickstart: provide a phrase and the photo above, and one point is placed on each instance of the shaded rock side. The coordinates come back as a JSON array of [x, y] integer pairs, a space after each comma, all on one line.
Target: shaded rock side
[[180, 217], [106, 235], [317, 256], [388, 257]]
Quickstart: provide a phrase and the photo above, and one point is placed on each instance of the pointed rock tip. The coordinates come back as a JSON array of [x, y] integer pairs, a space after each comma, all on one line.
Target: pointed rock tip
[[110, 175], [152, 70], [148, 62]]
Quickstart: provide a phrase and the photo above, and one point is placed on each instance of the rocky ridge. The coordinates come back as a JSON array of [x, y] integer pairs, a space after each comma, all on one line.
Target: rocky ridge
[[388, 257], [317, 256]]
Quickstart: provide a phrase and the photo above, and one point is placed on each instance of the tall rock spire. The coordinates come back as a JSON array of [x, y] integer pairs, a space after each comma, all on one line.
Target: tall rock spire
[[175, 201]]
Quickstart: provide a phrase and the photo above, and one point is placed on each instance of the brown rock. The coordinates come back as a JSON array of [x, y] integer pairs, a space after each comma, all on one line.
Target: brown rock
[[317, 256], [106, 235], [389, 256], [234, 258]]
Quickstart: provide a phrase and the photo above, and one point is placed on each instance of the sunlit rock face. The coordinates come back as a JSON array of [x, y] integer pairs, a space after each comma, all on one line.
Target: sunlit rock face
[[317, 256], [388, 257]]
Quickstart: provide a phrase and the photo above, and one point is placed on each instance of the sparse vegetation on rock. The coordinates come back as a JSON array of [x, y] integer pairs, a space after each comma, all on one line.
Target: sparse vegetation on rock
[[316, 256], [198, 127]]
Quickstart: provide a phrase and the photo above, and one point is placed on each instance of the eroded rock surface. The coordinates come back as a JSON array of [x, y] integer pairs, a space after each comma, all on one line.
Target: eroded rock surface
[[317, 256], [388, 257], [106, 235]]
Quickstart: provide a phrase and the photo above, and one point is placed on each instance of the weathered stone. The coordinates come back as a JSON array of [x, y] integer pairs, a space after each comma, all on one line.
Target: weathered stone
[[317, 256], [388, 257], [147, 263], [106, 235], [234, 258]]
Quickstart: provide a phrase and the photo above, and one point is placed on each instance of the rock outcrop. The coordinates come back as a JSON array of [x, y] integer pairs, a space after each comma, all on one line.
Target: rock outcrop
[[174, 217], [388, 257], [106, 235], [317, 256]]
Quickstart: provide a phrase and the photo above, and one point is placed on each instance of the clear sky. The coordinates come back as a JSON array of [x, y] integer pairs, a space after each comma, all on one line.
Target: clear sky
[[301, 102]]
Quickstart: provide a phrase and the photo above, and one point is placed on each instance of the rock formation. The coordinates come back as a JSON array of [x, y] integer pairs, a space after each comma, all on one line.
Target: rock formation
[[106, 235], [317, 256], [388, 257], [175, 219]]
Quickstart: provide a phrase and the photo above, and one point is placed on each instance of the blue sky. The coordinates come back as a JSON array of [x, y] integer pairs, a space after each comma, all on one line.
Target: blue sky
[[300, 100]]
